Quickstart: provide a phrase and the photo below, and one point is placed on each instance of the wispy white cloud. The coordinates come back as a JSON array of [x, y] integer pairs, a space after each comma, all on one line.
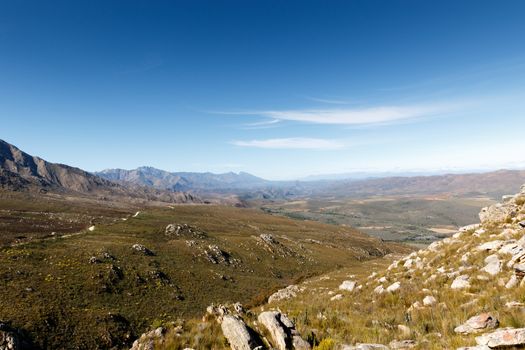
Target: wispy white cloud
[[380, 115], [363, 116], [293, 143], [327, 100]]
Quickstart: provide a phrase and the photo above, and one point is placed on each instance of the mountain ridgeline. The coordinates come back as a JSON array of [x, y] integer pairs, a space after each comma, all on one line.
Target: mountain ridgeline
[[184, 181], [20, 171]]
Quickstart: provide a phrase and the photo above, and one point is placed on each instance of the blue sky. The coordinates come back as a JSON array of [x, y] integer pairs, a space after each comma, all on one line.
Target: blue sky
[[280, 89]]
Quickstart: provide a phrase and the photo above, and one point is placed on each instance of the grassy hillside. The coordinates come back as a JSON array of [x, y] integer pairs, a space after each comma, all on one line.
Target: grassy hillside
[[95, 289], [415, 301]]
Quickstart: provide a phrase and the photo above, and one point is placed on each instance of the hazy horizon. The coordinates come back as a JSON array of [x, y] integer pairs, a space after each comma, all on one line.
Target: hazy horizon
[[281, 90]]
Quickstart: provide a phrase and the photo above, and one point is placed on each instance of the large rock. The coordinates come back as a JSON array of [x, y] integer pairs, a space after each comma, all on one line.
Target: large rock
[[478, 323], [461, 282], [237, 333], [493, 266], [504, 337], [491, 245], [147, 340], [393, 287], [348, 285], [495, 213], [282, 331]]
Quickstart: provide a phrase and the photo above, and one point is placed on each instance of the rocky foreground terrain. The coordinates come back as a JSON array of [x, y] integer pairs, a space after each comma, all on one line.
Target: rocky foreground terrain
[[465, 292]]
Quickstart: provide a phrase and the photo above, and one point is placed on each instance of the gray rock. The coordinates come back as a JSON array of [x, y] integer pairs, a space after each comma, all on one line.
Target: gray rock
[[282, 330], [237, 333], [503, 338], [478, 323], [147, 340], [393, 287], [461, 282], [493, 266], [285, 293], [348, 285]]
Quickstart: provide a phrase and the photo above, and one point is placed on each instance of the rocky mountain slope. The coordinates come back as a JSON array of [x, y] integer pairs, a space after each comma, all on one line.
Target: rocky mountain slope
[[465, 292], [20, 171], [184, 181]]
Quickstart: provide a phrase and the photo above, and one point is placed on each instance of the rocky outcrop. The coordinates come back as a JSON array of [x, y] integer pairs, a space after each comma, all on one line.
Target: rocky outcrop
[[238, 334], [285, 293], [477, 324], [184, 230], [282, 331], [505, 337], [216, 255], [147, 340]]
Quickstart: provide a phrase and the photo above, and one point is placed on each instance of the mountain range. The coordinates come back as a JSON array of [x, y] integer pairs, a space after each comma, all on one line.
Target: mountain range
[[20, 171], [183, 181]]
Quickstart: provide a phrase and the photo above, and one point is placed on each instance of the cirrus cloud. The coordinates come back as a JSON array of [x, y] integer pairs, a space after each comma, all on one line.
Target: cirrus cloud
[[292, 143], [362, 116]]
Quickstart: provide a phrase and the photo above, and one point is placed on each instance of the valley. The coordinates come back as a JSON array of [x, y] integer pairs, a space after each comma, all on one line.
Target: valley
[[416, 220]]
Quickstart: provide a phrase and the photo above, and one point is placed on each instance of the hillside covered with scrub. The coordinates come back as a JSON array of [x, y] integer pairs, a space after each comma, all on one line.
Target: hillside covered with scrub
[[464, 292]]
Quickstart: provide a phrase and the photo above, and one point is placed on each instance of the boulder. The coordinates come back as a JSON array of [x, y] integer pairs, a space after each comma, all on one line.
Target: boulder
[[491, 245], [493, 266], [379, 289], [460, 282], [503, 338], [348, 285], [147, 340], [495, 213], [237, 333], [282, 331], [337, 297], [393, 287], [429, 300], [478, 323]]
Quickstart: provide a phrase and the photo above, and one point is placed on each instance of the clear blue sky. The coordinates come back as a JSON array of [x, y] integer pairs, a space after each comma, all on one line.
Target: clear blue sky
[[280, 89]]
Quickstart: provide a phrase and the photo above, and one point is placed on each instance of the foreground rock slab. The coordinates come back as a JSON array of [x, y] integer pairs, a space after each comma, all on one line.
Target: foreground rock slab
[[282, 331], [238, 335], [503, 337], [478, 323]]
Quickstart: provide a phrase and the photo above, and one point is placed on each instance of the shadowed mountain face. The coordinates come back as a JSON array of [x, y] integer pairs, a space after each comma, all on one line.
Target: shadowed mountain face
[[20, 171], [184, 181], [23, 169]]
